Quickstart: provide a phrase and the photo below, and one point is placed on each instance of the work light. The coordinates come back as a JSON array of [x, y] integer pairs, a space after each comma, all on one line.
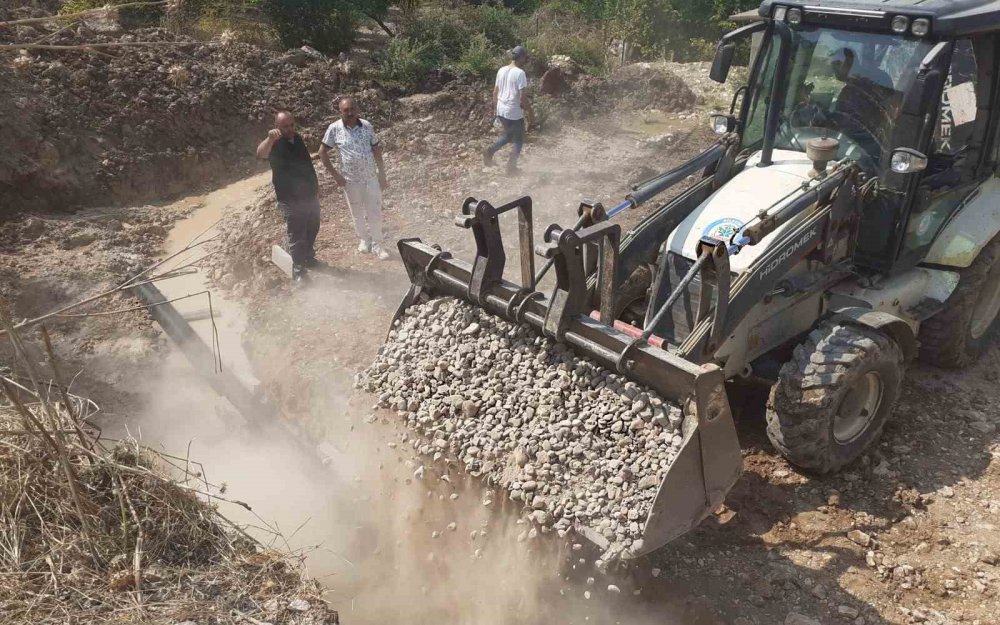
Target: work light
[[907, 161], [921, 26], [900, 24]]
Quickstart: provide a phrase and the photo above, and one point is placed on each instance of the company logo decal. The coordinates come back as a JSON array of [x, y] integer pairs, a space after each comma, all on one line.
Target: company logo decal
[[723, 229]]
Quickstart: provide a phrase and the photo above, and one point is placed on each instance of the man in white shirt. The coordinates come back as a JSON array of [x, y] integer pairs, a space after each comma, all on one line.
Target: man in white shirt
[[510, 101], [362, 173]]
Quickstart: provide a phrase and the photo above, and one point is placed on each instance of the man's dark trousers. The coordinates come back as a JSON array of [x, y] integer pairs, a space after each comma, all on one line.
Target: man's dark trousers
[[302, 223], [513, 133]]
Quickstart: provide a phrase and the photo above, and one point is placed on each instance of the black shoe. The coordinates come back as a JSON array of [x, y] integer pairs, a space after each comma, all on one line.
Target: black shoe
[[310, 262], [300, 275], [487, 158]]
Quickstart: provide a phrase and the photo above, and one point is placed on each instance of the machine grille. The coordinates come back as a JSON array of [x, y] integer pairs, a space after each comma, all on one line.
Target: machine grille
[[677, 324]]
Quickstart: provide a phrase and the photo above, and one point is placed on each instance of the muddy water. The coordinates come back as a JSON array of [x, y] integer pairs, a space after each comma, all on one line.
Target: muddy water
[[195, 232], [652, 124]]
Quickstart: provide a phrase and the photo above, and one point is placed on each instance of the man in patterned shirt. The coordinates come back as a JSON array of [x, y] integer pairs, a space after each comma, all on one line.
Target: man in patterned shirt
[[362, 173]]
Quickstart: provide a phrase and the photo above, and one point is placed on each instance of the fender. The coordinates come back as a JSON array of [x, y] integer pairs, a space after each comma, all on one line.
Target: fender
[[884, 322], [974, 225]]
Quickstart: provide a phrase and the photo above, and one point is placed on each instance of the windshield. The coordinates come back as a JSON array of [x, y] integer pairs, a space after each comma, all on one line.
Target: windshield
[[841, 84]]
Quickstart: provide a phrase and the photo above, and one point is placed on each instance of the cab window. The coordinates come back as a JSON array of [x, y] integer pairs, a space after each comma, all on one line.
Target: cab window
[[955, 150]]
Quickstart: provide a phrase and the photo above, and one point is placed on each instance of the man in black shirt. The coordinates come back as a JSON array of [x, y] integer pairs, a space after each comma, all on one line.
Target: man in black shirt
[[295, 185]]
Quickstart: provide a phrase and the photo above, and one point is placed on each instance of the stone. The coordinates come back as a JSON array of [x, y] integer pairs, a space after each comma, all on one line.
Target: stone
[[571, 441], [859, 538], [848, 611], [299, 605], [794, 618]]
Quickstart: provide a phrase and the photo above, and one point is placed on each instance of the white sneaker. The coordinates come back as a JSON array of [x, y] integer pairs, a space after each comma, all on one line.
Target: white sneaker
[[378, 251], [365, 246]]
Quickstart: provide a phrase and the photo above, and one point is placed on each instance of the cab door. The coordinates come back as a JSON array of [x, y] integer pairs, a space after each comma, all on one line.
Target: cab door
[[959, 156]]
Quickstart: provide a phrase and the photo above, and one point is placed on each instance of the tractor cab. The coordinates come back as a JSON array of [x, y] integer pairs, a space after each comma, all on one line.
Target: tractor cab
[[905, 89]]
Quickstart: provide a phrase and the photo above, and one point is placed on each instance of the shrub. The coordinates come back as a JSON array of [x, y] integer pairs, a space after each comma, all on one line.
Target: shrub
[[406, 61], [450, 31], [131, 17], [327, 25], [480, 59], [586, 49], [500, 26], [561, 28]]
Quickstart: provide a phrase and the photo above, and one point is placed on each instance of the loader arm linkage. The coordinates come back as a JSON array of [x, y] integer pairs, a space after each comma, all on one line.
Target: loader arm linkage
[[586, 261]]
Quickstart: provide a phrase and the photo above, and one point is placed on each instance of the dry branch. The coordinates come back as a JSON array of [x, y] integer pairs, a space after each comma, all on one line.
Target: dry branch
[[98, 46]]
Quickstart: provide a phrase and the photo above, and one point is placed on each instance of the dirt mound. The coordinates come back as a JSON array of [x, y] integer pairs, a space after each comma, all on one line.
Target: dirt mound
[[638, 86], [124, 124]]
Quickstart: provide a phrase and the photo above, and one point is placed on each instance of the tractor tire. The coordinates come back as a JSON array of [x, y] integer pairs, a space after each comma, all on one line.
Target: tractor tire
[[958, 335], [834, 396]]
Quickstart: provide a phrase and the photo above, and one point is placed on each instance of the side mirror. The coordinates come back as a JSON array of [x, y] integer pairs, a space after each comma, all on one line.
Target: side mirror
[[908, 161], [723, 61]]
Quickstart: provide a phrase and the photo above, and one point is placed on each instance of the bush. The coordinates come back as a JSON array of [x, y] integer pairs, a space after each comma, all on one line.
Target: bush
[[450, 31], [327, 25], [479, 59], [132, 17], [406, 61], [586, 49], [563, 28]]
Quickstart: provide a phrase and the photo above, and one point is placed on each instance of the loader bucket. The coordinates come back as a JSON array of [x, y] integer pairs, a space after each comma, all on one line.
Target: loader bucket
[[709, 461]]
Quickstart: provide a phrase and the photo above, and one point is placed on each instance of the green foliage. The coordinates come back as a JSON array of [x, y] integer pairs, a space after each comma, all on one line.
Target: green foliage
[[470, 40], [132, 17], [671, 28], [450, 31], [562, 28], [327, 25], [405, 61], [479, 59]]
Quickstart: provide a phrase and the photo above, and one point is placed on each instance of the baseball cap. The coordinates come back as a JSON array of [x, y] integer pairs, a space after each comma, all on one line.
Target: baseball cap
[[519, 52]]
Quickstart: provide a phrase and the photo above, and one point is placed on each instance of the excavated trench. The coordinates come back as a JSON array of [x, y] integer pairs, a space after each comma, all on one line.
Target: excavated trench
[[390, 521]]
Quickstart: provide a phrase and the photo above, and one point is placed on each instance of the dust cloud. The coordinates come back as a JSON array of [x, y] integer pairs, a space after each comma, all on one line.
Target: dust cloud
[[392, 537]]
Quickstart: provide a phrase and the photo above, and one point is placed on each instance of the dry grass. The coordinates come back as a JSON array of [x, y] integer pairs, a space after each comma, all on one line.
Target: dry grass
[[96, 532]]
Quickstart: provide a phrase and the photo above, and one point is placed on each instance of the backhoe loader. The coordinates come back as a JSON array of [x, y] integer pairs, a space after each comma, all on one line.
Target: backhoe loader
[[844, 223]]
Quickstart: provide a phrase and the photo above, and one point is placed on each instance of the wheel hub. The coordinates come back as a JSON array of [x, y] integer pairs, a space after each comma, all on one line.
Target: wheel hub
[[987, 305], [858, 408]]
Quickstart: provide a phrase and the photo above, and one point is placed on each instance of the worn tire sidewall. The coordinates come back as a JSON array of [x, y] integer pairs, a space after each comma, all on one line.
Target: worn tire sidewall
[[891, 373]]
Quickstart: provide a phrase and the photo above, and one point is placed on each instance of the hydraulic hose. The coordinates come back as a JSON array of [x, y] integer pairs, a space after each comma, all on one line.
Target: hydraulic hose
[[645, 191]]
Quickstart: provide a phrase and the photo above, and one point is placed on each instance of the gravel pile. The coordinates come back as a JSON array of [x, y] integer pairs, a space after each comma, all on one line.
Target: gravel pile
[[572, 441]]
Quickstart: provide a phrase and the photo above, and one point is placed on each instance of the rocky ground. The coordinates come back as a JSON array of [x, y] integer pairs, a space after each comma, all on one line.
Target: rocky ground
[[908, 534]]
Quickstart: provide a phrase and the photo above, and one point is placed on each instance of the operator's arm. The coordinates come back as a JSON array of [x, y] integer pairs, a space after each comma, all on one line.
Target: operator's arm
[[383, 181], [264, 148], [496, 95], [324, 157]]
